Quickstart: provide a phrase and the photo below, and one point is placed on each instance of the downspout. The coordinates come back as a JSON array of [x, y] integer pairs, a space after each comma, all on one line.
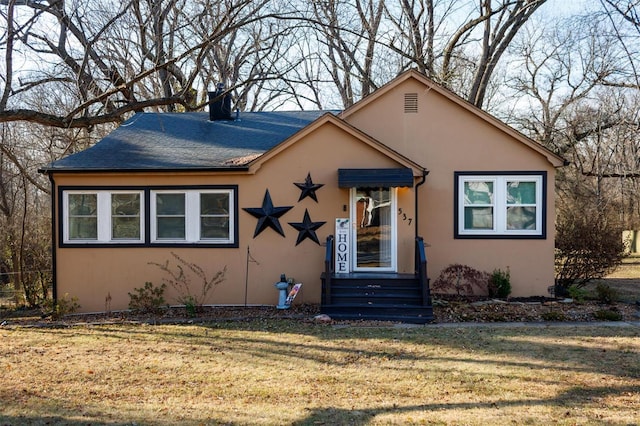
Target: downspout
[[54, 269], [425, 172]]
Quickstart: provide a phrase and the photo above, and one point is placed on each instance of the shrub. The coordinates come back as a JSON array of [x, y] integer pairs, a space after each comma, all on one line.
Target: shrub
[[462, 280], [577, 293], [606, 294], [180, 279], [608, 315], [61, 307], [190, 307], [588, 244], [500, 283], [147, 299]]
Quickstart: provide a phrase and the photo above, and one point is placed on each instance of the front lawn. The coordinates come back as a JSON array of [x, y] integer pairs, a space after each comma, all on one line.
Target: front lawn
[[278, 372]]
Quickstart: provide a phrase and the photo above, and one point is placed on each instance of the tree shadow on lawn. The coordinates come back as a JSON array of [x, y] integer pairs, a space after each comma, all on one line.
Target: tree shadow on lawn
[[286, 343], [559, 347], [628, 289], [573, 398], [576, 397]]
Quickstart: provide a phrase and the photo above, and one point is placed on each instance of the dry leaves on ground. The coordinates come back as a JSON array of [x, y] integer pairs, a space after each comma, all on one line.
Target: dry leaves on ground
[[445, 311]]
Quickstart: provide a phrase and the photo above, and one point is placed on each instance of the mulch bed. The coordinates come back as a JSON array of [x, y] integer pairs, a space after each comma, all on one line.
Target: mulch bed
[[551, 310], [447, 309]]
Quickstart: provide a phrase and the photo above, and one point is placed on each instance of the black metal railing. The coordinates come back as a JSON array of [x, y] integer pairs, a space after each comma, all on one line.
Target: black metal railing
[[421, 271], [328, 271]]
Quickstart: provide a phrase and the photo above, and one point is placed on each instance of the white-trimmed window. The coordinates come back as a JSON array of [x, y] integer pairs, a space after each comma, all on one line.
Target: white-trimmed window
[[192, 216], [500, 205], [103, 217]]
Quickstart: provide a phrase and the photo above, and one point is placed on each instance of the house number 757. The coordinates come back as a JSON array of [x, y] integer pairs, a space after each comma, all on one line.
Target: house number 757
[[404, 217]]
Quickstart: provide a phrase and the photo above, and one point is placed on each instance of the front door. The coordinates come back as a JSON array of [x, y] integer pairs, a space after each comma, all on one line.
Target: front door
[[374, 230]]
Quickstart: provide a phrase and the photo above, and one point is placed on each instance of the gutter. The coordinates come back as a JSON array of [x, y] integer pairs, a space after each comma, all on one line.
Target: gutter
[[54, 268], [425, 172], [48, 171]]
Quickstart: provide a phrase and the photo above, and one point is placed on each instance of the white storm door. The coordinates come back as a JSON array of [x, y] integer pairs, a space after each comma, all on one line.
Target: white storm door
[[374, 229]]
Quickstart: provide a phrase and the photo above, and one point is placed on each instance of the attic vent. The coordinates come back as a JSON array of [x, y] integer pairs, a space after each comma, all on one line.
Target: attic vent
[[410, 103]]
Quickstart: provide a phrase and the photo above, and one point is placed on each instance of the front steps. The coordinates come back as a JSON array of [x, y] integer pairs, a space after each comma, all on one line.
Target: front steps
[[375, 296]]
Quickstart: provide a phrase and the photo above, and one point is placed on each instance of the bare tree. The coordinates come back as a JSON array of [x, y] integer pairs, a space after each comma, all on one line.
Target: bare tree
[[555, 69], [125, 58], [565, 73], [624, 26], [347, 32], [25, 248], [458, 43]]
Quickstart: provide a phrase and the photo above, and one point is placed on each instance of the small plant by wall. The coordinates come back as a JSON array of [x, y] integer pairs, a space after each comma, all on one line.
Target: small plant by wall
[[107, 303], [608, 315], [462, 280], [190, 307], [148, 299], [57, 309], [181, 278], [577, 293], [606, 294], [500, 283]]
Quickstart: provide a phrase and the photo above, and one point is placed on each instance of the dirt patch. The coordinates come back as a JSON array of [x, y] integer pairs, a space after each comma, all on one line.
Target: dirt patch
[[173, 315]]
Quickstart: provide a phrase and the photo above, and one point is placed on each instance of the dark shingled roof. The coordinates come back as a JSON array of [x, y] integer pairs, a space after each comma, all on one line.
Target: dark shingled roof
[[153, 141]]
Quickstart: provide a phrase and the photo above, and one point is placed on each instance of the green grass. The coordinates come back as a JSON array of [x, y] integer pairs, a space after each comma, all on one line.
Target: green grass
[[277, 372]]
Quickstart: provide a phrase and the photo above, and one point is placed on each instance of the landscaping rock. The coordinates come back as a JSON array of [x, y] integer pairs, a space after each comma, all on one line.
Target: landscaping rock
[[322, 318]]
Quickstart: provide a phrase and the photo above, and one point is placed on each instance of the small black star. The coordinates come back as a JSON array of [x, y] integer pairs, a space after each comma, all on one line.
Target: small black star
[[308, 188], [307, 228], [267, 215]]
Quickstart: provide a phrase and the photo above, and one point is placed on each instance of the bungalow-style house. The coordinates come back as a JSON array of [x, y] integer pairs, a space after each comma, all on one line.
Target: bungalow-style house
[[348, 203]]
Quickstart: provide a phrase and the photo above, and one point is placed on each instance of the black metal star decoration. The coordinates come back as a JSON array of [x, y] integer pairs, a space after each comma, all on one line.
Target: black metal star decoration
[[307, 228], [308, 188], [267, 215]]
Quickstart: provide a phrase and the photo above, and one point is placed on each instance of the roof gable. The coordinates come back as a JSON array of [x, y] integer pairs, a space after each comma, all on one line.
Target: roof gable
[[489, 119], [333, 120]]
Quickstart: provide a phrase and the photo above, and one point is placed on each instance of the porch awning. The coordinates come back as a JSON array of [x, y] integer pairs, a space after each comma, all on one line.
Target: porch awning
[[375, 178]]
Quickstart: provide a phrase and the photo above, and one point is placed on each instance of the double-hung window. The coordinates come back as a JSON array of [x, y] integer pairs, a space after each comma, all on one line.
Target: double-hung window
[[192, 216], [204, 216], [102, 216], [500, 205], [125, 216]]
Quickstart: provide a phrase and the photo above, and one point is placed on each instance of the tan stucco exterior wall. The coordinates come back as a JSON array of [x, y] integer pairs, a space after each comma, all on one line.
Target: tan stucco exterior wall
[[443, 136], [446, 138], [91, 274]]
